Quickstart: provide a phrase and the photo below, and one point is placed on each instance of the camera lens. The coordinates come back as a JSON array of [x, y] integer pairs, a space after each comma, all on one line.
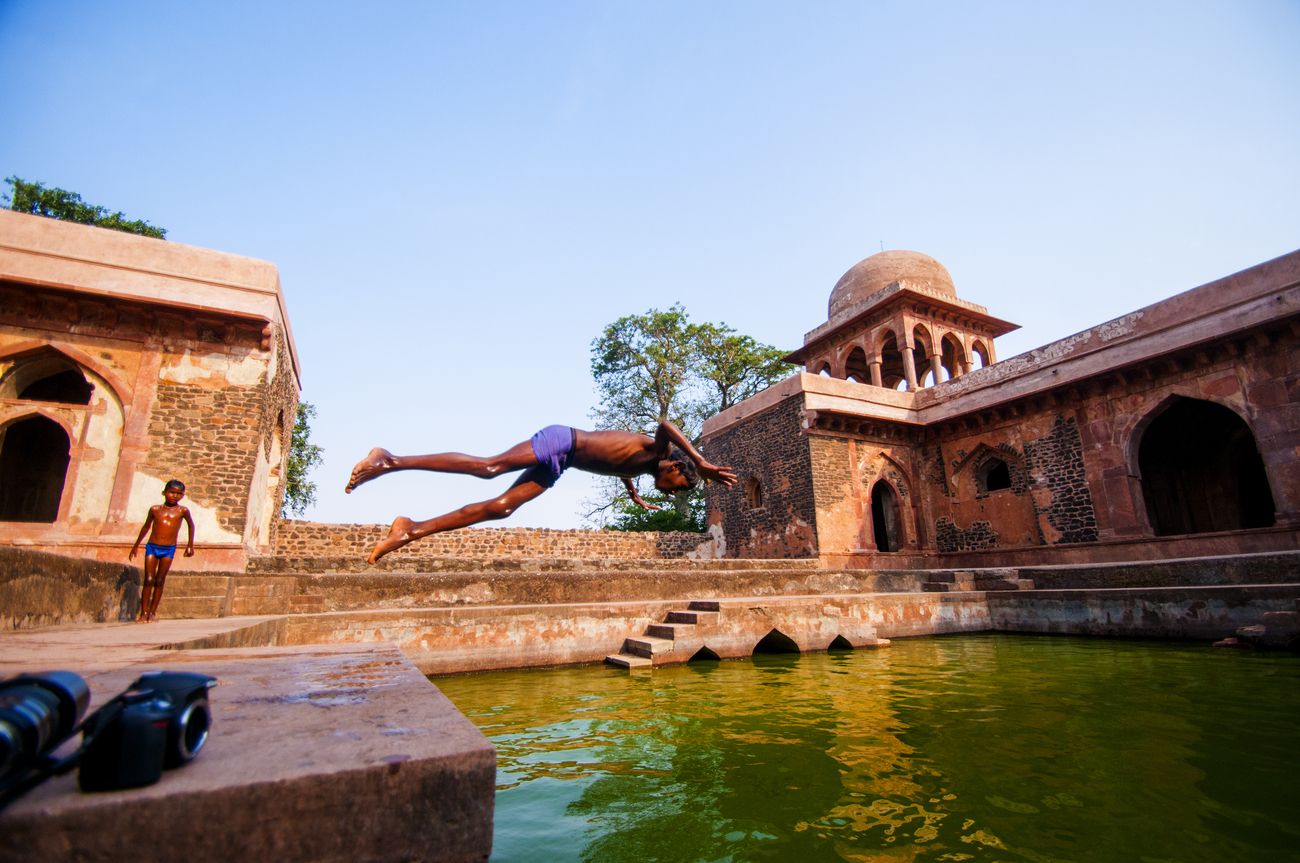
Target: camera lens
[[194, 722], [37, 713]]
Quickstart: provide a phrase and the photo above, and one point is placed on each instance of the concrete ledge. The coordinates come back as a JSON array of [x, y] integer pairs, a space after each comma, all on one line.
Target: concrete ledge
[[316, 754]]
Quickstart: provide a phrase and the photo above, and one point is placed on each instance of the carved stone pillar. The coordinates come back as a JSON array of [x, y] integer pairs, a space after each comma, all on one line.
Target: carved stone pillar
[[909, 367]]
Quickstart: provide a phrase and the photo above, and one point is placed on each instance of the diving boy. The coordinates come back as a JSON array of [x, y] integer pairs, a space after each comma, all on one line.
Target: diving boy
[[675, 464], [165, 518]]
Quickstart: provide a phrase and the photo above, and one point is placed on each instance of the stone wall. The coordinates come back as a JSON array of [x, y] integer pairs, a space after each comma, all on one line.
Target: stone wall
[[307, 539], [770, 512], [38, 589], [207, 438]]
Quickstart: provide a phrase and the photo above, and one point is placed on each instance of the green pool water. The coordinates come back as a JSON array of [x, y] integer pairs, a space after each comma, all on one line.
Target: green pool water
[[945, 749]]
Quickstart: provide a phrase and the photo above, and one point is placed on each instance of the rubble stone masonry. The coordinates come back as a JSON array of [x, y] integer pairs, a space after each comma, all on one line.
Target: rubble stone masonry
[[771, 456], [309, 539]]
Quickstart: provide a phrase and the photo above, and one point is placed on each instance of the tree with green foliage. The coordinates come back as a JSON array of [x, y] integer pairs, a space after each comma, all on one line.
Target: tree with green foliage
[[660, 366], [300, 492], [67, 206]]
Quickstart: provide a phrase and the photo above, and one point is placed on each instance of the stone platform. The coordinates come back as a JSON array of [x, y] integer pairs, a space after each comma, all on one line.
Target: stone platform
[[316, 753]]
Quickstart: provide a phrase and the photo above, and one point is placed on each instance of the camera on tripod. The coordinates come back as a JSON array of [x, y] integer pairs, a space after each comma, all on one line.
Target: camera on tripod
[[161, 721]]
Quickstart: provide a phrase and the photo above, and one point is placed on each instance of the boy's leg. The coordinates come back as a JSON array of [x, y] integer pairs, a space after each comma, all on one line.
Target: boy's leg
[[404, 531], [146, 589], [380, 461], [160, 578]]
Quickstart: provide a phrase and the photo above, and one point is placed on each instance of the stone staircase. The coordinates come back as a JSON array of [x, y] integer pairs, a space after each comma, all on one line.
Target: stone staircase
[[663, 639], [984, 579]]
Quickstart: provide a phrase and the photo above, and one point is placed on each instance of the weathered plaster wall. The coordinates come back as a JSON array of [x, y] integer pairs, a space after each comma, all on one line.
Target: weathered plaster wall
[[192, 365]]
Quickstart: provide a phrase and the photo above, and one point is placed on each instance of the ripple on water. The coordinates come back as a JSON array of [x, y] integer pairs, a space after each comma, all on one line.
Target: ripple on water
[[955, 748]]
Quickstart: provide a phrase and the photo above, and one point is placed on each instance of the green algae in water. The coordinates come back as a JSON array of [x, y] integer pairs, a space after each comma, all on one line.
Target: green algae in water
[[963, 748]]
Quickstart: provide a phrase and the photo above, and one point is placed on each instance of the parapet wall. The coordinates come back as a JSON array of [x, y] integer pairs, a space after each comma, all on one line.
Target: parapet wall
[[299, 539], [38, 589]]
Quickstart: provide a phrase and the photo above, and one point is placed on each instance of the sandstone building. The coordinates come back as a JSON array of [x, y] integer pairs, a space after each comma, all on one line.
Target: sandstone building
[[125, 361], [1173, 431]]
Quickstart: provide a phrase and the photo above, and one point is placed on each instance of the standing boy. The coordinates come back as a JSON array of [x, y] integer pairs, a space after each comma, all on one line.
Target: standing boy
[[165, 519]]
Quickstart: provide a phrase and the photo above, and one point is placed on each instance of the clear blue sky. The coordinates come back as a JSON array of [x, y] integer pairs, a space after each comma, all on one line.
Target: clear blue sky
[[459, 196]]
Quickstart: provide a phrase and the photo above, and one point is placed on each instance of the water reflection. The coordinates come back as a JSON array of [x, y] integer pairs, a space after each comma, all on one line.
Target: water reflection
[[969, 748]]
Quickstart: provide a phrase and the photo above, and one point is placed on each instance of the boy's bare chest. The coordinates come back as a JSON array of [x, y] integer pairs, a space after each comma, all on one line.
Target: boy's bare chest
[[168, 516]]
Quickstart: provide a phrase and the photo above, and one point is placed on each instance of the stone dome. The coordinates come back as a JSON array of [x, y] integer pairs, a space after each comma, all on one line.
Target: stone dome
[[879, 271]]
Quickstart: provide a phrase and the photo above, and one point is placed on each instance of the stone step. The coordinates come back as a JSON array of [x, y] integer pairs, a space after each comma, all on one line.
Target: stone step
[[668, 630], [995, 584], [307, 604], [316, 564], [189, 607], [240, 605], [948, 586], [646, 646], [627, 660], [265, 586], [178, 584], [705, 605], [696, 617]]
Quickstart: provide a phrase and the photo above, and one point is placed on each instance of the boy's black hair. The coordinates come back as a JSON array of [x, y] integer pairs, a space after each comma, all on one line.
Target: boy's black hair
[[174, 483], [687, 466]]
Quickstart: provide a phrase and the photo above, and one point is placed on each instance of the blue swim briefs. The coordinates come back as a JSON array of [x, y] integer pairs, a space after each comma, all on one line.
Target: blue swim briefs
[[159, 550], [553, 447]]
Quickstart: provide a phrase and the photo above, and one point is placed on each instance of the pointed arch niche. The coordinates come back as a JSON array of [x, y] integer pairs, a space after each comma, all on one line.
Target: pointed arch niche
[[1200, 470], [62, 421]]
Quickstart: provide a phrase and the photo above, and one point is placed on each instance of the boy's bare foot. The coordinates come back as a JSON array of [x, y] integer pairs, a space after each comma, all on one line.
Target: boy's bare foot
[[398, 535], [376, 463]]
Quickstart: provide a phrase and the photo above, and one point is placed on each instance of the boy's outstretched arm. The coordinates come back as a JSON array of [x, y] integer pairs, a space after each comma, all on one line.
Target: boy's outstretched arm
[[148, 521], [189, 548], [669, 433], [636, 498]]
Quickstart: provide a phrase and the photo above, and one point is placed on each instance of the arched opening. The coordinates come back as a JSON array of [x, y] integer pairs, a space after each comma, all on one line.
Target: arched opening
[[47, 376], [979, 355], [856, 368], [776, 641], [953, 357], [825, 370], [33, 466], [753, 493], [926, 374], [891, 363], [886, 523], [993, 475], [704, 654], [1201, 471], [840, 643]]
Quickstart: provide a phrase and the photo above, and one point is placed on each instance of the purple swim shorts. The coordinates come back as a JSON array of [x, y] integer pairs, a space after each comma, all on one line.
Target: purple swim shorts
[[553, 447]]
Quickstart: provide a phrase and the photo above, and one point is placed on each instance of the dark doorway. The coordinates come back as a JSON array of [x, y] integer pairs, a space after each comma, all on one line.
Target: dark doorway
[[885, 521], [1201, 471], [33, 466]]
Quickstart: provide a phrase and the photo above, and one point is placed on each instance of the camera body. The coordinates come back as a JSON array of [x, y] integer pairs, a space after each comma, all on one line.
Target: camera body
[[161, 721]]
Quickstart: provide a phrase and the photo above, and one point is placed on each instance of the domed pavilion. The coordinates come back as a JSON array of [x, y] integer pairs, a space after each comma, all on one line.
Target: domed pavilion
[[894, 320]]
